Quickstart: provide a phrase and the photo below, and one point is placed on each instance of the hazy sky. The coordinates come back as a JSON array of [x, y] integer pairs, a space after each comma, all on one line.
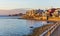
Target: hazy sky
[[13, 4]]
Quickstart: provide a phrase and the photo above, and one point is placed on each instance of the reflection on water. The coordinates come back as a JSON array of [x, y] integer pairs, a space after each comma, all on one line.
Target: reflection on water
[[13, 26], [18, 27], [36, 23]]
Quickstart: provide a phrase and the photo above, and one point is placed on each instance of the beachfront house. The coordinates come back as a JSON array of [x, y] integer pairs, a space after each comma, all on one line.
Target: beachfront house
[[58, 11], [39, 12]]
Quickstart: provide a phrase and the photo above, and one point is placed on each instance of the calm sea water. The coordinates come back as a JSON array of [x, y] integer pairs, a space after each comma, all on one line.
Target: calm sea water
[[17, 27]]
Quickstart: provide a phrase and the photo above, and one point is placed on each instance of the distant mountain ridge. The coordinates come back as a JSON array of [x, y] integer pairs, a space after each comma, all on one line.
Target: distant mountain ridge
[[13, 11]]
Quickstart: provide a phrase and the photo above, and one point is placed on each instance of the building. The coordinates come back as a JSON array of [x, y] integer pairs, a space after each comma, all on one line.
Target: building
[[55, 14], [58, 11], [52, 10], [31, 13]]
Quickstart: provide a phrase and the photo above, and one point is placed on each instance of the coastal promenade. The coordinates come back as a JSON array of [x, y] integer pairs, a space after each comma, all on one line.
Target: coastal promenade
[[53, 30], [56, 32]]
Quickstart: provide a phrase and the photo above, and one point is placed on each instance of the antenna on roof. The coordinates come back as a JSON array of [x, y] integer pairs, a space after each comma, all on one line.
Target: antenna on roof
[[51, 6], [45, 8]]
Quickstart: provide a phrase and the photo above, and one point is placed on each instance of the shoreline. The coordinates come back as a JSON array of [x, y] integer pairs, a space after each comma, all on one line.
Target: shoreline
[[40, 30], [42, 18], [52, 20]]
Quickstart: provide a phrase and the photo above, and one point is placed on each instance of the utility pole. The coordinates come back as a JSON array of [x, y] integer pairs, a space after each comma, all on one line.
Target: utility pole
[[47, 19]]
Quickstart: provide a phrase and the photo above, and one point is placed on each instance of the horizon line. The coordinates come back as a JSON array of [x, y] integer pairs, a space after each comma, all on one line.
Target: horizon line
[[30, 8]]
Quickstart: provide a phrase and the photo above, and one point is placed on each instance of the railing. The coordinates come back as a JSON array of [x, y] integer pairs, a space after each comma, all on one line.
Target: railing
[[50, 30]]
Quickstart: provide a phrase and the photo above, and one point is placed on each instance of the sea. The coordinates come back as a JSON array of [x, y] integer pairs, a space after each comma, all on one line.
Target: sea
[[12, 26]]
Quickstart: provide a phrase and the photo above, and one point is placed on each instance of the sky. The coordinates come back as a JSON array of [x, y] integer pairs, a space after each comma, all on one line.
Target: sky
[[35, 4]]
